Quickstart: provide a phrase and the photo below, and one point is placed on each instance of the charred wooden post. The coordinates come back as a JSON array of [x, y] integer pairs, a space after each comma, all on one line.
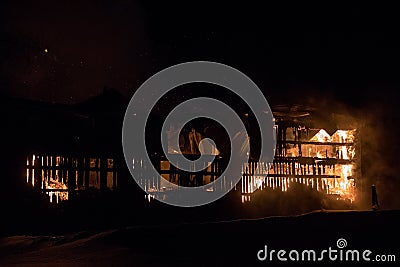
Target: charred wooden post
[[38, 173], [63, 169], [71, 176], [374, 196], [97, 168], [87, 171], [44, 172], [53, 167], [80, 171], [114, 174], [30, 169], [103, 173]]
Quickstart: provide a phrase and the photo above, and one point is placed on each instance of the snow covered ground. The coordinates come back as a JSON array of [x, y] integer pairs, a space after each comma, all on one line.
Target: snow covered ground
[[230, 243]]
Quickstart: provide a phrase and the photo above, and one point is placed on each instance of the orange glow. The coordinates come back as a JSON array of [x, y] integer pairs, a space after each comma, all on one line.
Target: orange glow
[[340, 181], [60, 195], [321, 136], [60, 192]]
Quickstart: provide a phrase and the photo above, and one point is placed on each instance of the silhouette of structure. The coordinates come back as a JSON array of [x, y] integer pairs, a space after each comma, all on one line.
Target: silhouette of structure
[[72, 148], [322, 153], [67, 149]]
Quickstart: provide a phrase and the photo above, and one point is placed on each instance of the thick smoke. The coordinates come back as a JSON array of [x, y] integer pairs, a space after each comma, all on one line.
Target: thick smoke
[[378, 142]]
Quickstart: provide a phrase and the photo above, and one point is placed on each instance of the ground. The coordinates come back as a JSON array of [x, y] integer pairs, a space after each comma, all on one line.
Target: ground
[[228, 243]]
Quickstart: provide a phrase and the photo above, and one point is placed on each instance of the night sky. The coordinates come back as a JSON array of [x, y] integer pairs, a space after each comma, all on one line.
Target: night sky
[[67, 52]]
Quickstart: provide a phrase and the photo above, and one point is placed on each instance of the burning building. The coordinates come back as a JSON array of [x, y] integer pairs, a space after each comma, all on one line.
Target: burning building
[[72, 148], [326, 159], [316, 150], [60, 176]]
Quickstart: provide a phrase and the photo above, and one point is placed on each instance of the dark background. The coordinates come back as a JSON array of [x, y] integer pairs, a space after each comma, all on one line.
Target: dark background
[[330, 50], [55, 55], [341, 58]]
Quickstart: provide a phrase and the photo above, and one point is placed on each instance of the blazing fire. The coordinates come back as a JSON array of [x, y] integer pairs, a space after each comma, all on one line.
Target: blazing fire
[[50, 180], [344, 186], [54, 186], [324, 163], [57, 175]]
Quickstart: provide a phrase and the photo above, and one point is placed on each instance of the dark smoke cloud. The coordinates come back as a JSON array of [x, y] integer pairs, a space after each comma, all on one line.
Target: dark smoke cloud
[[375, 114]]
